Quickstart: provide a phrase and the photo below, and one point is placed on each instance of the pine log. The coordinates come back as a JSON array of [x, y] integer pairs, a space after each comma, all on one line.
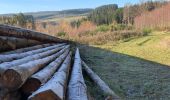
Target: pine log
[[103, 86], [10, 57], [6, 65], [55, 88], [77, 89], [5, 94], [13, 78], [21, 50], [14, 42], [6, 30], [41, 77]]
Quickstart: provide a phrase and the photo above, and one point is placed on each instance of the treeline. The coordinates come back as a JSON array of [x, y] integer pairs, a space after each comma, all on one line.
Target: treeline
[[109, 14], [25, 21], [157, 19]]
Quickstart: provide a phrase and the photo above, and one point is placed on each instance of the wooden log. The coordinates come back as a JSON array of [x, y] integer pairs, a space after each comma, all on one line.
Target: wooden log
[[77, 89], [6, 65], [41, 77], [103, 86], [10, 57], [14, 42], [6, 95], [6, 30], [21, 50], [16, 76], [55, 88]]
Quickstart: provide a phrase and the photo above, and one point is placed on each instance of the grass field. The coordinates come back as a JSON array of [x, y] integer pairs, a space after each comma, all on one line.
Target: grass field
[[68, 19], [136, 68]]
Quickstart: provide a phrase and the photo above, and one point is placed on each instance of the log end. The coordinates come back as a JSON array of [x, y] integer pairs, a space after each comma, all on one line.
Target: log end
[[46, 95], [11, 79], [30, 86]]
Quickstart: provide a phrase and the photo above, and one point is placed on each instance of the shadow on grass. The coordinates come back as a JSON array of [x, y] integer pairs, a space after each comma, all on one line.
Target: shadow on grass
[[132, 78]]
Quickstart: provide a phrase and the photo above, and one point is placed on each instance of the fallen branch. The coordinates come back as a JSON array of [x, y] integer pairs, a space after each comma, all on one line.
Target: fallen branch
[[103, 86], [41, 77], [16, 76], [55, 88], [77, 89]]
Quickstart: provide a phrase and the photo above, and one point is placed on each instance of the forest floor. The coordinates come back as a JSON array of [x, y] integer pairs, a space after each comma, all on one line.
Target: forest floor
[[135, 68]]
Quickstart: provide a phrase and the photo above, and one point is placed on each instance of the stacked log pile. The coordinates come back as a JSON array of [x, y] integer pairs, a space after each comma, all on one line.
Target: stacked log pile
[[43, 71]]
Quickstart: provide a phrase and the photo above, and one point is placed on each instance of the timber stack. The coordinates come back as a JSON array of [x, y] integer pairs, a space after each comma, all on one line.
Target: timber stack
[[36, 66]]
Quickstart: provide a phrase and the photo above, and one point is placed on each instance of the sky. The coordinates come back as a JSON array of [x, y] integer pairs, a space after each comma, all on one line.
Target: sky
[[16, 6]]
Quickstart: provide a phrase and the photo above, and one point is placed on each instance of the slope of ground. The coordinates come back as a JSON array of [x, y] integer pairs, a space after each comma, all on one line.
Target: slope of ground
[[136, 69]]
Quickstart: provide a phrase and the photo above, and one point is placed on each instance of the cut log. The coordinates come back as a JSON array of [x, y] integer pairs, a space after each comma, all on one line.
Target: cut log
[[6, 30], [77, 89], [16, 76], [41, 77], [14, 42], [10, 57], [27, 49], [6, 65], [5, 94], [103, 86], [55, 88]]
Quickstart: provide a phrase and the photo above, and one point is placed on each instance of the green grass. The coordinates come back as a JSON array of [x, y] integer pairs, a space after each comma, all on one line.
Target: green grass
[[136, 68], [69, 19]]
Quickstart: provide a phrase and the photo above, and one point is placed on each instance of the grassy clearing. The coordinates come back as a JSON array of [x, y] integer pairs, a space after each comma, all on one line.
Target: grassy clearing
[[136, 68]]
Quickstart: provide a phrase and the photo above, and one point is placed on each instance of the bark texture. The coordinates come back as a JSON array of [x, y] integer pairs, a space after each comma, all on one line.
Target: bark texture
[[16, 76], [6, 65], [11, 57], [41, 77], [21, 50], [77, 89], [103, 86], [55, 88], [6, 30]]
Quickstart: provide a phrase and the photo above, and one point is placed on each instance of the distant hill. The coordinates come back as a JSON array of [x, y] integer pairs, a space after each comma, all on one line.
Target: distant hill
[[45, 15]]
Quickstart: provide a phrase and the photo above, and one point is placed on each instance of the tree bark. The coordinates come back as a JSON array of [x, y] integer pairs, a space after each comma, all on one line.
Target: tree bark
[[16, 76], [5, 94], [10, 57], [12, 43], [77, 89], [21, 50], [55, 88], [41, 77], [6, 30], [103, 86], [6, 65]]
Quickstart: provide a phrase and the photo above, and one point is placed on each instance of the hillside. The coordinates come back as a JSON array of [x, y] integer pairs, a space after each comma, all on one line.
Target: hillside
[[45, 15], [136, 68]]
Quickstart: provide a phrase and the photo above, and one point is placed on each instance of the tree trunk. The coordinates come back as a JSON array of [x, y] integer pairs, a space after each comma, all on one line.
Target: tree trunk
[[7, 95], [103, 86], [55, 88], [14, 77], [27, 49], [77, 89], [10, 57], [6, 30], [6, 65], [12, 43], [41, 77]]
